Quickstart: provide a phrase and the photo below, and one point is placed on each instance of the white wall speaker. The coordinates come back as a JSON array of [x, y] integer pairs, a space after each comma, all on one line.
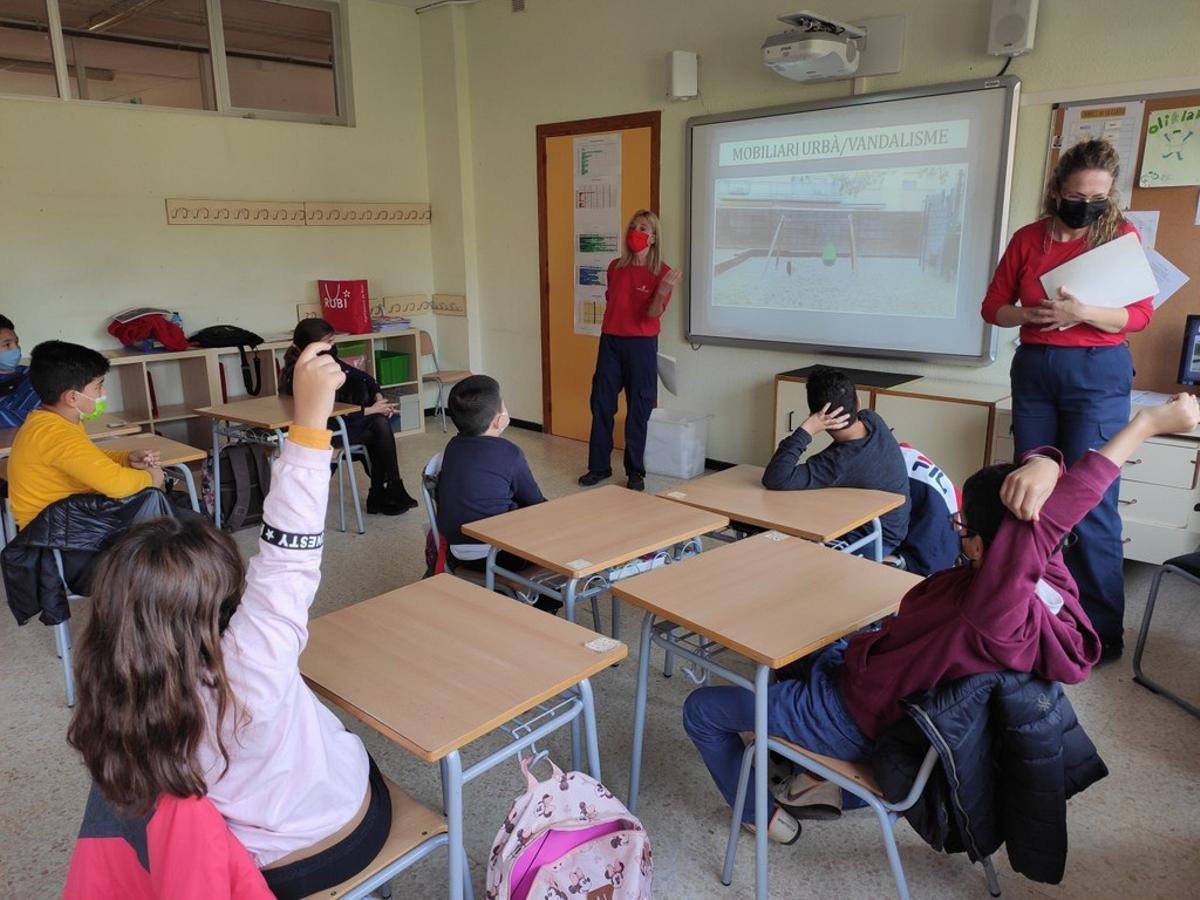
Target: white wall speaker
[[1012, 26], [683, 77]]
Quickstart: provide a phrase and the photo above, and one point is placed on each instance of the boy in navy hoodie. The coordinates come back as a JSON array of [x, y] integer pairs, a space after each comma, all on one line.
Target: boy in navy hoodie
[[863, 453], [482, 473]]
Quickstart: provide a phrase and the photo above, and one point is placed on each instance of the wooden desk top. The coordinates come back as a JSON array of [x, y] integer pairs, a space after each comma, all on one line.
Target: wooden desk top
[[590, 531], [771, 597], [441, 662], [817, 515], [172, 453], [106, 426], [263, 412]]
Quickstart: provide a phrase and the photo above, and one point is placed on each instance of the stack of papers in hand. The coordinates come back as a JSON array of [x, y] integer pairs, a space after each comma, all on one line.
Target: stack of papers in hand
[[390, 323], [1113, 274]]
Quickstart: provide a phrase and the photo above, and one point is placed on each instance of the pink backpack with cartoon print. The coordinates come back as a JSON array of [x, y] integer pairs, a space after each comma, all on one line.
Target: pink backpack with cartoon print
[[569, 838]]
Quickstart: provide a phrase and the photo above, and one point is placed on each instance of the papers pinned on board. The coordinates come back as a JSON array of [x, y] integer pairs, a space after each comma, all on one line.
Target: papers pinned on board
[[1111, 275], [1168, 277]]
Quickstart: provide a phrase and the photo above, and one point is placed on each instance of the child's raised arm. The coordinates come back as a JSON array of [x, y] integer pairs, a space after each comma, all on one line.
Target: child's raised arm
[[270, 627], [1049, 507], [1026, 490]]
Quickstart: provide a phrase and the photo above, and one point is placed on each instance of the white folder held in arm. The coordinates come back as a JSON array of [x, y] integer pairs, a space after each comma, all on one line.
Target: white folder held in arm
[[1113, 274]]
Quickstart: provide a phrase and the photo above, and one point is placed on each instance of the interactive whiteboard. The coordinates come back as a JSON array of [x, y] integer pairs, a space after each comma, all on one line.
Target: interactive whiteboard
[[866, 225]]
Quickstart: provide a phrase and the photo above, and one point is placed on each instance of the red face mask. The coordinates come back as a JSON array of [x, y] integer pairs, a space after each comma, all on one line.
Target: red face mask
[[637, 241]]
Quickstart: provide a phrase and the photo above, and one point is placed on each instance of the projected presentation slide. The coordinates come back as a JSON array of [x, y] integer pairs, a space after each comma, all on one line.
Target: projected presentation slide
[[873, 225], [863, 240]]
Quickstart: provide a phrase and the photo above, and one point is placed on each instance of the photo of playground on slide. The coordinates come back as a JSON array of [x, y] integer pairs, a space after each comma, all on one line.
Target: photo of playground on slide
[[870, 241]]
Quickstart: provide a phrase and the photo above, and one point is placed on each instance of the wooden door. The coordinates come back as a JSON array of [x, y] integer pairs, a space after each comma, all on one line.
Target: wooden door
[[569, 359]]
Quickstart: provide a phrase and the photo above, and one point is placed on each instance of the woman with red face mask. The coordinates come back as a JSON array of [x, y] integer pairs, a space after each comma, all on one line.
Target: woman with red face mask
[[639, 288], [1072, 374]]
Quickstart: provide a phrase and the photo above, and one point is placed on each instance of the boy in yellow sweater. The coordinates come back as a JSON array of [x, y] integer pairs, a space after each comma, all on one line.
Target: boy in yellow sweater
[[52, 456]]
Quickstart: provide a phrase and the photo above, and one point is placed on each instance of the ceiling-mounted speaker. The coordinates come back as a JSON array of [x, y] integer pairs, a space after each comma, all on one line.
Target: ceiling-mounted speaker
[[1012, 26]]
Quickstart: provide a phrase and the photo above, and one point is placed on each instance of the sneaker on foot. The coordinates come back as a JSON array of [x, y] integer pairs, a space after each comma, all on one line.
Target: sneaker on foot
[[589, 478], [782, 829], [806, 797], [636, 483]]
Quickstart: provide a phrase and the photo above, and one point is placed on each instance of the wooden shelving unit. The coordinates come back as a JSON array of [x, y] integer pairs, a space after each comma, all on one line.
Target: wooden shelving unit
[[185, 380]]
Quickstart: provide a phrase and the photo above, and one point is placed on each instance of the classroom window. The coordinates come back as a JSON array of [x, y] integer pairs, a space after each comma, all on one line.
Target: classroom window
[[26, 60], [280, 57], [251, 58], [154, 53]]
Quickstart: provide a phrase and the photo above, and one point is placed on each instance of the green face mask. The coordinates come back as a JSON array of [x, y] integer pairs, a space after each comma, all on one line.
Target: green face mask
[[97, 410]]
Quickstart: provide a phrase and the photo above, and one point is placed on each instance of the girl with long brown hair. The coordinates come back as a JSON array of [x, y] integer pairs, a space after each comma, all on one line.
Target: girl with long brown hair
[[1072, 374], [189, 680], [639, 288]]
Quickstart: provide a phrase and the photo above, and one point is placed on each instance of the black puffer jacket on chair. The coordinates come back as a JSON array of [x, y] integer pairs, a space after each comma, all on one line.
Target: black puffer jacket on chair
[[1011, 753], [80, 527]]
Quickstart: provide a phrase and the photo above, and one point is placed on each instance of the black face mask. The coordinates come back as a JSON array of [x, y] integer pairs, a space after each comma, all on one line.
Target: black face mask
[[332, 351], [1080, 213]]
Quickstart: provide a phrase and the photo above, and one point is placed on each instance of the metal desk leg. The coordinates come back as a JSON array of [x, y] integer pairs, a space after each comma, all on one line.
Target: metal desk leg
[[639, 712], [191, 484], [877, 526], [569, 600], [216, 468], [616, 618], [345, 435], [762, 809], [489, 574], [452, 785], [589, 726]]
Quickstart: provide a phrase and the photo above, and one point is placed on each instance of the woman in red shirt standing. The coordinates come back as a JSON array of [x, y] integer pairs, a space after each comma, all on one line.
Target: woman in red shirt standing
[[1072, 375], [639, 288]]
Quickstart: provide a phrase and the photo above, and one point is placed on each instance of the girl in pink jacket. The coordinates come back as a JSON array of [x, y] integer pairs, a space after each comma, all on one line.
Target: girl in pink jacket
[[189, 683]]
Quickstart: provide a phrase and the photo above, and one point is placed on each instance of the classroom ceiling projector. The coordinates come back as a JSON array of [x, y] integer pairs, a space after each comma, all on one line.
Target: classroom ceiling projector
[[817, 48]]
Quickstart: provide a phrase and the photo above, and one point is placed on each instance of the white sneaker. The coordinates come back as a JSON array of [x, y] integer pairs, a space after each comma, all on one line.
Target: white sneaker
[[806, 797], [781, 829]]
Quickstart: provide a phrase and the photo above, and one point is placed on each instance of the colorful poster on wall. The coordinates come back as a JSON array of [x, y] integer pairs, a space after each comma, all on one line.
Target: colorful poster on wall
[[597, 223], [1172, 154], [1118, 123]]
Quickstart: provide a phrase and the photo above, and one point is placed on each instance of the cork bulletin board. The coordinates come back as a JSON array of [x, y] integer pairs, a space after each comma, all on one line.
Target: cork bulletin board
[[1156, 350]]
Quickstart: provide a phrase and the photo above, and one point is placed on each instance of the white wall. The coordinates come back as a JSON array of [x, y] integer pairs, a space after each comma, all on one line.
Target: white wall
[[83, 228], [574, 59]]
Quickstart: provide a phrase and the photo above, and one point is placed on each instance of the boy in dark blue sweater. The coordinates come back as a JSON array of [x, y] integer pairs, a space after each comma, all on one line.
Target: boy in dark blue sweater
[[863, 453], [482, 473]]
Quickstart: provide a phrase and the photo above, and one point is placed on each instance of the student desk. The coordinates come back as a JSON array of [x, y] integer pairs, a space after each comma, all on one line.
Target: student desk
[[821, 515], [98, 429], [437, 664], [172, 455], [258, 420], [802, 596], [584, 536]]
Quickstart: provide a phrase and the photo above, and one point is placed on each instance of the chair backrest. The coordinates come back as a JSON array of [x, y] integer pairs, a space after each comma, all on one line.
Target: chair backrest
[[426, 344], [429, 477]]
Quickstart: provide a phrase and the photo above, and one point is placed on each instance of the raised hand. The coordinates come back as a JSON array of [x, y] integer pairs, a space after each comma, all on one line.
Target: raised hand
[[1026, 490], [315, 379]]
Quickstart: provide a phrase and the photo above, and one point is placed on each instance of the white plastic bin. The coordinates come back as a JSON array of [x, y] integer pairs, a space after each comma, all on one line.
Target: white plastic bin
[[676, 443]]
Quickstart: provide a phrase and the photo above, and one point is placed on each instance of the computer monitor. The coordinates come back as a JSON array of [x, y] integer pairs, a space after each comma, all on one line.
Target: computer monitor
[[1189, 359]]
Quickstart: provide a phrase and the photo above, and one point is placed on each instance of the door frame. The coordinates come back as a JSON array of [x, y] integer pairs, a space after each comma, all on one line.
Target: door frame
[[652, 120]]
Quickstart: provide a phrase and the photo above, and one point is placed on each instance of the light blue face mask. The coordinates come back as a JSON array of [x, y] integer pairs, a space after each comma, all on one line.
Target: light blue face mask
[[10, 359]]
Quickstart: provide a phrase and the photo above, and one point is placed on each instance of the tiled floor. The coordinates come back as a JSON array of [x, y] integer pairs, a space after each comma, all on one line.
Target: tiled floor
[[1136, 834]]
